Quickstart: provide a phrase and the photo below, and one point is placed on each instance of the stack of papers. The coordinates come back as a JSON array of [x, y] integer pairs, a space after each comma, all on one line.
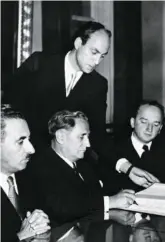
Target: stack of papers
[[150, 200]]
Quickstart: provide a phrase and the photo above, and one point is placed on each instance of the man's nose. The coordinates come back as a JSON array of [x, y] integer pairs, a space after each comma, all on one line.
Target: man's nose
[[149, 127], [97, 59], [87, 142], [29, 147]]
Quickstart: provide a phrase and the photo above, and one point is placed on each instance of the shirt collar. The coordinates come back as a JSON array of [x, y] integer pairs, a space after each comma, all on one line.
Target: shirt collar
[[4, 177], [66, 160], [69, 69], [138, 145], [4, 183]]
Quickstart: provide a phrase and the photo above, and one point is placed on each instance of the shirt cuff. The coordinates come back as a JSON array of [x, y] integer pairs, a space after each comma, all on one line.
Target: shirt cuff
[[106, 208], [119, 163]]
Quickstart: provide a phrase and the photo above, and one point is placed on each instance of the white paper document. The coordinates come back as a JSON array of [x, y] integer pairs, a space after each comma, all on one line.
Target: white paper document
[[150, 200]]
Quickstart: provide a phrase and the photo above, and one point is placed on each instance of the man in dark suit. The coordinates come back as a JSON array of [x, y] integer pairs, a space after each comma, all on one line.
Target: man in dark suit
[[143, 149], [15, 153], [66, 186], [45, 84]]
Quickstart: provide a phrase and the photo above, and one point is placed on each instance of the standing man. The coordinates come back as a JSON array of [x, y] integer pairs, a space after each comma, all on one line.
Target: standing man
[[45, 84], [143, 149], [15, 154]]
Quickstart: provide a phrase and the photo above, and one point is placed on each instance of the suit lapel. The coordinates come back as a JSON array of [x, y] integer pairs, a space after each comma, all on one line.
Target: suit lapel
[[65, 169], [7, 205], [81, 86]]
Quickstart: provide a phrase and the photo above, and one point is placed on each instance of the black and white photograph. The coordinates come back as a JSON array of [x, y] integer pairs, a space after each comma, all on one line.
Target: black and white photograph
[[82, 121]]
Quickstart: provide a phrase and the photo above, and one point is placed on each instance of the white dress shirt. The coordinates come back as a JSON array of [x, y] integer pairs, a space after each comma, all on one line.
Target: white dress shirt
[[138, 146], [70, 73], [4, 184]]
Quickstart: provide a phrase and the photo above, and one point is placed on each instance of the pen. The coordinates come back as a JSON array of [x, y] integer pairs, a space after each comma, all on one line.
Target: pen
[[135, 203]]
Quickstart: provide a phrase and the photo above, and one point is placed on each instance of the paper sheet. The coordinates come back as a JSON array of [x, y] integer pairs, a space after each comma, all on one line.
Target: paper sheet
[[150, 200]]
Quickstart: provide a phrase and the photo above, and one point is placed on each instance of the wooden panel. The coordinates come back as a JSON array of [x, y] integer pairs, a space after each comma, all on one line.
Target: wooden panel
[[128, 61], [9, 21], [57, 24]]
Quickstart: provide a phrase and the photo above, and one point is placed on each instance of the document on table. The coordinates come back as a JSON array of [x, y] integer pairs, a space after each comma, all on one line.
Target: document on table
[[150, 200]]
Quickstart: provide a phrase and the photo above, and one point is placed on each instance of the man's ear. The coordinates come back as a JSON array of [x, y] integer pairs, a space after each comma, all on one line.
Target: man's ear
[[60, 136], [132, 123], [77, 43]]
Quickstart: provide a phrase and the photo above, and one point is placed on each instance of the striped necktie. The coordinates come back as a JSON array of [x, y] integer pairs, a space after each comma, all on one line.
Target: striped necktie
[[12, 195], [76, 170]]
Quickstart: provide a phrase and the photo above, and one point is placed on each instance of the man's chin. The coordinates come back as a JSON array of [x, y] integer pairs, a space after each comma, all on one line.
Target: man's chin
[[146, 141], [23, 166], [88, 70], [81, 156]]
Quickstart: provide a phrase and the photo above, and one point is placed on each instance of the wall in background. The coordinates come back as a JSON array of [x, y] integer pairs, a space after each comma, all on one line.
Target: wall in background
[[102, 11], [153, 39]]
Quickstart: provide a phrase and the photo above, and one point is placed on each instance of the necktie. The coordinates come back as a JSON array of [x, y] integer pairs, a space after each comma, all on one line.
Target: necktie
[[145, 152], [76, 170], [12, 195], [71, 84]]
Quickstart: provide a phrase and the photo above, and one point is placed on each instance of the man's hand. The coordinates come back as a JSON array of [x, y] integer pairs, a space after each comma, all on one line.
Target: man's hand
[[142, 177], [122, 217], [123, 199], [35, 223]]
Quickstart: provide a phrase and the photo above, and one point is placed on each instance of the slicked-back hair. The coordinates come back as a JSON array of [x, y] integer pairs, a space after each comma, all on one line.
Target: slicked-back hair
[[85, 31], [64, 120], [7, 112], [150, 103]]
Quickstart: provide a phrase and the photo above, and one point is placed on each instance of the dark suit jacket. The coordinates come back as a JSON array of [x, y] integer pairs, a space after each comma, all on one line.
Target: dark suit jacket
[[38, 89], [153, 162], [61, 193], [10, 220]]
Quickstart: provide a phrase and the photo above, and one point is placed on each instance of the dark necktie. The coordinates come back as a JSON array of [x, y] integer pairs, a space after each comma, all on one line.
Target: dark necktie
[[145, 152], [12, 195], [76, 170]]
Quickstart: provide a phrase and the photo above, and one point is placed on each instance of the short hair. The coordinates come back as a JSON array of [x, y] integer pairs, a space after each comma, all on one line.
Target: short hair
[[150, 103], [64, 120], [85, 31], [7, 112], [145, 224]]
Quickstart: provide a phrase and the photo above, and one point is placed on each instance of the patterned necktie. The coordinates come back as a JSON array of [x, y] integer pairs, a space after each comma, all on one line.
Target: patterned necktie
[[76, 171], [12, 195], [145, 152], [71, 84]]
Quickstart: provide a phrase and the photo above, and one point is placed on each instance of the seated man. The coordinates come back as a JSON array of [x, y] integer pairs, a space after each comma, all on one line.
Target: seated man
[[66, 186], [142, 149], [15, 153]]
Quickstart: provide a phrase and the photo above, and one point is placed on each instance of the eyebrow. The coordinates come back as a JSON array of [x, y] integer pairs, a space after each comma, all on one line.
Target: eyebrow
[[99, 51], [22, 138]]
